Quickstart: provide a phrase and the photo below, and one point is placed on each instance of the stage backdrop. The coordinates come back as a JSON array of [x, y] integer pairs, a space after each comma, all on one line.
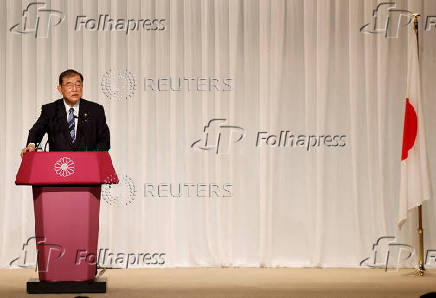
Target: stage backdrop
[[245, 133]]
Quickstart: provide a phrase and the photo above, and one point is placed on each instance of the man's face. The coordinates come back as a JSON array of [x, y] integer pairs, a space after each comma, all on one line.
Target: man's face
[[71, 89]]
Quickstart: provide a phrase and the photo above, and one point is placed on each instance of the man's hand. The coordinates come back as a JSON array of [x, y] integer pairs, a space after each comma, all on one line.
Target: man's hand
[[29, 148]]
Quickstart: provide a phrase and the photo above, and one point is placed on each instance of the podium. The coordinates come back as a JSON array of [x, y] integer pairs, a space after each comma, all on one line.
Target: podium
[[66, 195]]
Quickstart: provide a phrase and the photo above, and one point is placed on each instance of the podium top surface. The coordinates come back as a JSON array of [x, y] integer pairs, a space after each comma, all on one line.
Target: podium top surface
[[66, 168]]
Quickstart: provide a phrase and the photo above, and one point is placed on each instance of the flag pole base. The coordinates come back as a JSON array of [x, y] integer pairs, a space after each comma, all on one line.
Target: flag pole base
[[420, 271]]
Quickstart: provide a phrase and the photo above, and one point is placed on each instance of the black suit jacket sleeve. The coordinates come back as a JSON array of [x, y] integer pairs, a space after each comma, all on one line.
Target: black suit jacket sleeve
[[38, 130], [103, 134]]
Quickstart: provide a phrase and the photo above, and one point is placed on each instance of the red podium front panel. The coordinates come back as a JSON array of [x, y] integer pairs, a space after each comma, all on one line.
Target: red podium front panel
[[66, 229], [66, 193]]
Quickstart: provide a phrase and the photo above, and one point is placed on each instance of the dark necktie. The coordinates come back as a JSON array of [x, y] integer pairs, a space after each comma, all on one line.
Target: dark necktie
[[70, 121]]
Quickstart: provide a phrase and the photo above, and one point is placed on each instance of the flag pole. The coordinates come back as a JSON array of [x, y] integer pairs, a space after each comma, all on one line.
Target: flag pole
[[421, 269]]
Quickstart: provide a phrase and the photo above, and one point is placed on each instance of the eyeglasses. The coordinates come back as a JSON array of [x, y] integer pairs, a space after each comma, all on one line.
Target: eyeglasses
[[70, 86]]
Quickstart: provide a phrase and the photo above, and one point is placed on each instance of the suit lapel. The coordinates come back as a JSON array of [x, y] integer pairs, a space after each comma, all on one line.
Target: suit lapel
[[82, 110], [61, 115]]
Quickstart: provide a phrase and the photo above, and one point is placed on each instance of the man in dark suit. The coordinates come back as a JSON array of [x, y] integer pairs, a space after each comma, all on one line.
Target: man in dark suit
[[72, 123]]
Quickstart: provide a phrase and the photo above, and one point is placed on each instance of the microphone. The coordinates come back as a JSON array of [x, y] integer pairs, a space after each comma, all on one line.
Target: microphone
[[83, 117]]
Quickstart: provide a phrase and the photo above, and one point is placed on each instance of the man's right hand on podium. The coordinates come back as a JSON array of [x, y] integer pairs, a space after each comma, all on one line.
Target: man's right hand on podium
[[29, 148]]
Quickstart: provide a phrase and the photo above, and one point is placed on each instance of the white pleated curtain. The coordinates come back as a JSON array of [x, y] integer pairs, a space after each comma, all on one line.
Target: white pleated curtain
[[301, 66]]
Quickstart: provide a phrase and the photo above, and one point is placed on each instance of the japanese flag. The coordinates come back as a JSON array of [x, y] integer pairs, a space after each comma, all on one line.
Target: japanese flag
[[415, 180]]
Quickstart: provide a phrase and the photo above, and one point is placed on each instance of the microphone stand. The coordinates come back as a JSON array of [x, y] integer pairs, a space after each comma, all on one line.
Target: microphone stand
[[84, 119]]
